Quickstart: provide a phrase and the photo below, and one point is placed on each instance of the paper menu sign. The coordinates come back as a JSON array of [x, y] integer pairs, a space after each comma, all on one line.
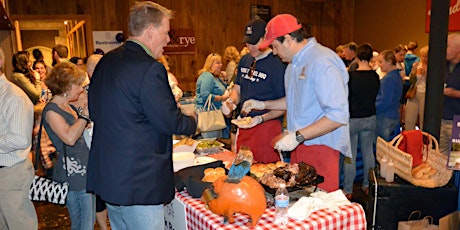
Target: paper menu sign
[[454, 155]]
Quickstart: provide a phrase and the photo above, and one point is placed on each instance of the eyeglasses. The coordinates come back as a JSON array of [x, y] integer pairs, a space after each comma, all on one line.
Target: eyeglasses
[[253, 68]]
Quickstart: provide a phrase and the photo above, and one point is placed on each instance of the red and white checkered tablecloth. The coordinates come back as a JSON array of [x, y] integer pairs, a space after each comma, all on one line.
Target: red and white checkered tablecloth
[[352, 217]]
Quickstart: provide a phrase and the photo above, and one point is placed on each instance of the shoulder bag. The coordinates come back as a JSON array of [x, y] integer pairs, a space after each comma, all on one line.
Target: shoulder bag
[[411, 92], [44, 189], [210, 118]]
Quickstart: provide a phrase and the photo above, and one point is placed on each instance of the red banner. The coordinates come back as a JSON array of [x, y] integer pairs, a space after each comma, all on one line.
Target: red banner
[[454, 15], [182, 42]]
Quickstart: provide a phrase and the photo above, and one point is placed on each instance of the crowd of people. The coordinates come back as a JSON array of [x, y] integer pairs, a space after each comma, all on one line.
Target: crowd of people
[[109, 120]]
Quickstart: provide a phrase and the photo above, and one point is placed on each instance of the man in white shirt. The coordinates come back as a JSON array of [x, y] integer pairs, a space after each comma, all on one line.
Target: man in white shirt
[[16, 170]]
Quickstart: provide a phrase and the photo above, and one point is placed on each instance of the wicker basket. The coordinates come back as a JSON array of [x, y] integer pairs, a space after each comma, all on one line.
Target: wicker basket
[[403, 161]]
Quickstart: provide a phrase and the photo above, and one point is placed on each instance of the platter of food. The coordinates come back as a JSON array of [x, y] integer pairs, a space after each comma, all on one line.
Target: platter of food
[[242, 122], [296, 176], [184, 145]]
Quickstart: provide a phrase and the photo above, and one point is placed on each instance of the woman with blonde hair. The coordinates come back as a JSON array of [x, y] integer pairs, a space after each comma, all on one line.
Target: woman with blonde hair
[[172, 80], [415, 107], [231, 59], [210, 84]]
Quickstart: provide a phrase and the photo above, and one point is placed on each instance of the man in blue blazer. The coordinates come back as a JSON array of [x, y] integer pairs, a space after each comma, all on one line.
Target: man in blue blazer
[[135, 115]]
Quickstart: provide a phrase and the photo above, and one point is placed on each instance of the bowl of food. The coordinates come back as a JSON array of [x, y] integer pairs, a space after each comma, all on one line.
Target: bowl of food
[[183, 160], [208, 146]]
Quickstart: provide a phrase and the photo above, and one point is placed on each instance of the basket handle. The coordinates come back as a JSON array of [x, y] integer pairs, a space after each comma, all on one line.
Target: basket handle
[[432, 140], [397, 140]]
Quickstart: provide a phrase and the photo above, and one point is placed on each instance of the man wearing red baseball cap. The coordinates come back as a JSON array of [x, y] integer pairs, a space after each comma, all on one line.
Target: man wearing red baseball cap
[[316, 99]]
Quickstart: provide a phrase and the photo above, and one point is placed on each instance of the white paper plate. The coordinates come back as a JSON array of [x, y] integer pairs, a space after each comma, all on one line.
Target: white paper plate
[[204, 160]]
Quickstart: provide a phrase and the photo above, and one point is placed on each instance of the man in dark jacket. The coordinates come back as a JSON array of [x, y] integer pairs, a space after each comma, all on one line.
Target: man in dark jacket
[[135, 115]]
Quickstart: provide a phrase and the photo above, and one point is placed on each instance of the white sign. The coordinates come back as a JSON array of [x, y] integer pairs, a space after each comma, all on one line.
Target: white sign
[[106, 40], [175, 215]]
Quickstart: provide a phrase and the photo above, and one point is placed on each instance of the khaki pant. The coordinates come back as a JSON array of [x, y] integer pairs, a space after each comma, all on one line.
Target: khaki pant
[[415, 108], [17, 212], [445, 136]]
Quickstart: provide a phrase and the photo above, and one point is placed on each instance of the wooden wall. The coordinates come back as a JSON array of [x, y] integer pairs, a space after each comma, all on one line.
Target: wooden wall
[[216, 24], [398, 22]]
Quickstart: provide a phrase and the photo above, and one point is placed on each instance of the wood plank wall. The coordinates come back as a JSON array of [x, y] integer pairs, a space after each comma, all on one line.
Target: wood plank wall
[[216, 24]]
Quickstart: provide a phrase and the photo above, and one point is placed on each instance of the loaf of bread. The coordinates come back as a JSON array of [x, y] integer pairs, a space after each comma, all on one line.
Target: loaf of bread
[[212, 174], [260, 169], [423, 171]]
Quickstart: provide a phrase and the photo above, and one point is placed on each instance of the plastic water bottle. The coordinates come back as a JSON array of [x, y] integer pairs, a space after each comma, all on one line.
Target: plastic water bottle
[[390, 173], [281, 205], [383, 167]]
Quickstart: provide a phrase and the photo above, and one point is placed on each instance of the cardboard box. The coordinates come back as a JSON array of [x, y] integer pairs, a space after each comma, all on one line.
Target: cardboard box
[[451, 221]]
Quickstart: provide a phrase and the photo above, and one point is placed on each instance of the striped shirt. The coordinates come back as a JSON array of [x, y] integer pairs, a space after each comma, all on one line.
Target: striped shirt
[[16, 123]]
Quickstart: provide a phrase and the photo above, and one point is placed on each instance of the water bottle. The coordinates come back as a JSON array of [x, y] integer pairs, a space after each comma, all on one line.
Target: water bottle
[[281, 205], [383, 167], [390, 173]]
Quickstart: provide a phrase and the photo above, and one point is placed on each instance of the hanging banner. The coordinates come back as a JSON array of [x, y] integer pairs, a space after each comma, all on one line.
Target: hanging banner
[[107, 40], [454, 155], [454, 15], [182, 42]]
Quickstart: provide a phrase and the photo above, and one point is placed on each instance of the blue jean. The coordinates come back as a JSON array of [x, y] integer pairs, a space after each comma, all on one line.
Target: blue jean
[[139, 217], [385, 126], [82, 209], [362, 132]]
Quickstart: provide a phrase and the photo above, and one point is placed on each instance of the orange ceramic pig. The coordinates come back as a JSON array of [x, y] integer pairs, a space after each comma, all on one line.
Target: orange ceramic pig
[[247, 196]]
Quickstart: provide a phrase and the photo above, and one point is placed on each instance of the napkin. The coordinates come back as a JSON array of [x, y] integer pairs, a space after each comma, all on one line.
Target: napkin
[[304, 207], [333, 199], [317, 200]]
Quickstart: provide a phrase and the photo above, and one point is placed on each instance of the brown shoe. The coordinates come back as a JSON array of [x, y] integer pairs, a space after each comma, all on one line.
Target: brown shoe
[[349, 196]]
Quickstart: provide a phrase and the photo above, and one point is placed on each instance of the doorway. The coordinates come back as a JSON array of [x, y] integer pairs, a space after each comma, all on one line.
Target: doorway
[[44, 32]]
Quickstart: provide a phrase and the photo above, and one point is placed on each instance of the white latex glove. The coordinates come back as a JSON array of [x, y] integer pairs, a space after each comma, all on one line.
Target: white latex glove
[[252, 104], [226, 110], [254, 121], [287, 143], [226, 94]]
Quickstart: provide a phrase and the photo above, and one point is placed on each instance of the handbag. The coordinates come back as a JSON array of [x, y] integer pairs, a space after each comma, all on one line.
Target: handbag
[[44, 189], [210, 118], [417, 224], [411, 92]]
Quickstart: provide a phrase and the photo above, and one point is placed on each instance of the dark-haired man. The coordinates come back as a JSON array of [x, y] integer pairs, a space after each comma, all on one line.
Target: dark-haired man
[[349, 52], [316, 99], [60, 54]]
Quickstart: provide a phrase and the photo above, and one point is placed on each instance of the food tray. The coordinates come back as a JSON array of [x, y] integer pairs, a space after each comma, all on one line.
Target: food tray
[[210, 150], [319, 179]]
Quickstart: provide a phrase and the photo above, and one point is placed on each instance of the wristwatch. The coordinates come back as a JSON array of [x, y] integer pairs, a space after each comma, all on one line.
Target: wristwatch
[[299, 137], [82, 116]]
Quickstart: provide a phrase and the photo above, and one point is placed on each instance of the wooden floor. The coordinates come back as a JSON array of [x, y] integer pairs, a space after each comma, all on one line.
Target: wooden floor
[[52, 217]]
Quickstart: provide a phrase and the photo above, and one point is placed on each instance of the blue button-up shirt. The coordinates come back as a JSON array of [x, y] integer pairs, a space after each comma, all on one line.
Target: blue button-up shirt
[[316, 83]]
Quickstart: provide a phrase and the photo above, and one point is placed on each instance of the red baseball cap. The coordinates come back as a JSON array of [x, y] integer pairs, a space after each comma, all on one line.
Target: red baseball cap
[[278, 26]]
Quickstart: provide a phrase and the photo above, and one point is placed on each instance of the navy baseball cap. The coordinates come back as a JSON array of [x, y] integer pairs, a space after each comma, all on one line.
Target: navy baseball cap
[[253, 31]]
